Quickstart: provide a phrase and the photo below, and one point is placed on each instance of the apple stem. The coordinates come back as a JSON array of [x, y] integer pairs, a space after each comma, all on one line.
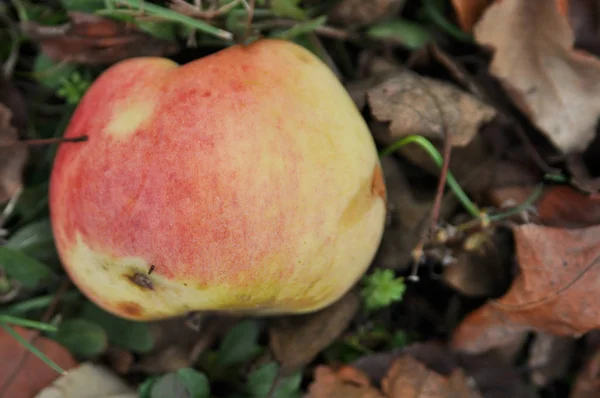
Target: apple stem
[[58, 140]]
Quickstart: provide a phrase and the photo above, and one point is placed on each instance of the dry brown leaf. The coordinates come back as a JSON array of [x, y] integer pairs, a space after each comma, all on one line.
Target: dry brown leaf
[[362, 13], [411, 103], [409, 378], [561, 206], [346, 382], [555, 85], [25, 379], [295, 341], [90, 39], [13, 154], [469, 11], [554, 293]]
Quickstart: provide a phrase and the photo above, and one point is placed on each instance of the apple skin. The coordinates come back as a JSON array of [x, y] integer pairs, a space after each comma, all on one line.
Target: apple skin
[[247, 180]]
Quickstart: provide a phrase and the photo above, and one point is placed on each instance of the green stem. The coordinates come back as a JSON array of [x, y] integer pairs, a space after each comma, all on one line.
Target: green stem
[[437, 158], [13, 320], [35, 303], [33, 349], [170, 15], [523, 206]]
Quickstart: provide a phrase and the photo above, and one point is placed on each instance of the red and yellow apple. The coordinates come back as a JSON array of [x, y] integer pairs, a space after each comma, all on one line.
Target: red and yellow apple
[[245, 181]]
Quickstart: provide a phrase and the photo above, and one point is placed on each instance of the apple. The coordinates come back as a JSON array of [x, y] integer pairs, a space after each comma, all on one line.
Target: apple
[[245, 181]]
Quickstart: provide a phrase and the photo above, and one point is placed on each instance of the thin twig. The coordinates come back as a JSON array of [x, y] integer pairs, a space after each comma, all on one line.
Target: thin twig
[[46, 141]]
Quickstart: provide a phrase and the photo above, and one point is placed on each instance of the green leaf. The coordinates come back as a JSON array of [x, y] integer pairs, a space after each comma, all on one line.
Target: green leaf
[[382, 288], [132, 335], [169, 385], [301, 28], [260, 383], [35, 239], [82, 337], [195, 382], [240, 344], [25, 269], [288, 9], [408, 33], [50, 73], [90, 6], [158, 29], [144, 390]]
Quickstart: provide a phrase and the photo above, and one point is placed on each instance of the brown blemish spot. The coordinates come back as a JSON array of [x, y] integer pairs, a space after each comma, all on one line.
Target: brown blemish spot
[[141, 280], [378, 184], [131, 309]]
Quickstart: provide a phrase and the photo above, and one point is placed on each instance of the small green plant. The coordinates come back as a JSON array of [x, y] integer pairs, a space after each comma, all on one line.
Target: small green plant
[[381, 289], [73, 87]]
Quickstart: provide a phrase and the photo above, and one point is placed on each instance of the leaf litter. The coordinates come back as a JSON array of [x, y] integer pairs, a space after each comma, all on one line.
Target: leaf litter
[[491, 290]]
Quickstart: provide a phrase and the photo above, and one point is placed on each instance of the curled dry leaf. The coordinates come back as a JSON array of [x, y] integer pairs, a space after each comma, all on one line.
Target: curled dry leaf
[[469, 11], [555, 85], [22, 374], [411, 103], [295, 341], [554, 293], [90, 39], [347, 382], [13, 154]]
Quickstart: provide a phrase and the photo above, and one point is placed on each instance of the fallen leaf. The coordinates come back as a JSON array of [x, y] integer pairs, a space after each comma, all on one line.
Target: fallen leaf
[[363, 13], [90, 39], [545, 369], [555, 85], [22, 374], [346, 382], [469, 11], [587, 383], [562, 206], [409, 378], [554, 293], [13, 154], [295, 341], [88, 380], [415, 104]]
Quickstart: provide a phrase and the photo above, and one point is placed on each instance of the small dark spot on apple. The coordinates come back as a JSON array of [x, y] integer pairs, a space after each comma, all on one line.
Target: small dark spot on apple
[[141, 281], [184, 284], [130, 308], [207, 94], [151, 270]]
